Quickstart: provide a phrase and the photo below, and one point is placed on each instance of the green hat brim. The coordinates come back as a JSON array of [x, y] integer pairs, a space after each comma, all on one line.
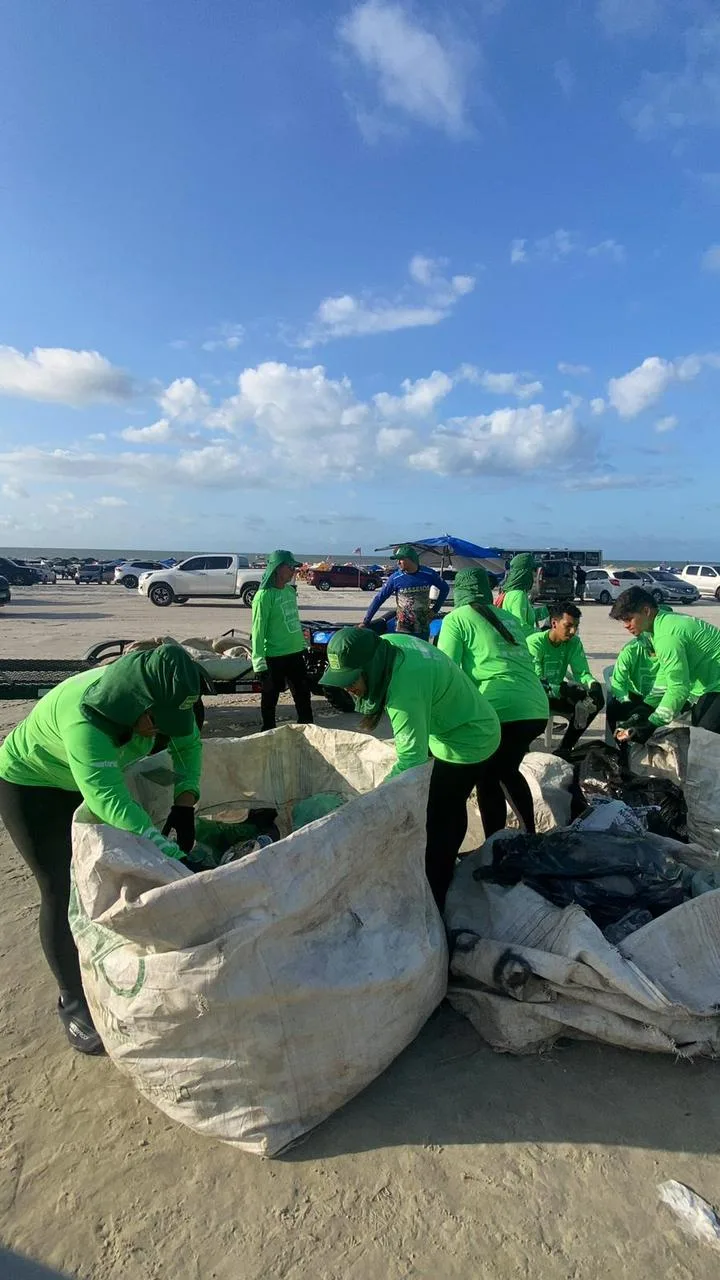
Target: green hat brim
[[340, 678]]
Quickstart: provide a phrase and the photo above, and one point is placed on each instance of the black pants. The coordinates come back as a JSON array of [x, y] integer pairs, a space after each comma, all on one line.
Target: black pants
[[514, 745], [39, 822], [446, 825], [706, 712], [564, 706], [617, 711], [286, 672]]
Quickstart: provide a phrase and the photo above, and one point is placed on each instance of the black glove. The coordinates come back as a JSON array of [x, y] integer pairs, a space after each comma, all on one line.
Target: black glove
[[596, 693], [181, 820], [639, 729]]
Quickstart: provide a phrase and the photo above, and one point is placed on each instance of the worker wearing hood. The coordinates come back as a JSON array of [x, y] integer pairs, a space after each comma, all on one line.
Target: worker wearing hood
[[518, 582], [278, 643], [490, 646], [74, 747], [436, 712]]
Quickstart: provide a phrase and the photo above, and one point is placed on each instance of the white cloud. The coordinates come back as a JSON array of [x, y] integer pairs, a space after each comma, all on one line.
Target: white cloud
[[392, 439], [666, 424], [184, 401], [109, 500], [158, 433], [98, 436], [63, 376], [711, 258], [643, 386], [435, 296], [227, 337], [687, 97], [565, 77], [617, 480], [418, 398], [561, 245], [508, 441], [574, 370], [629, 17], [416, 74], [597, 406], [13, 491], [507, 384]]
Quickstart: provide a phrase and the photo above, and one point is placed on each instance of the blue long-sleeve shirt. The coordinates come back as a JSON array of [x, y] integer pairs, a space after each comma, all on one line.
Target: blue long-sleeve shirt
[[401, 583]]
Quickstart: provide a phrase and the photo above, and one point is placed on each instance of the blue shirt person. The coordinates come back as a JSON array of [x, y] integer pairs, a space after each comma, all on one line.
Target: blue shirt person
[[411, 584]]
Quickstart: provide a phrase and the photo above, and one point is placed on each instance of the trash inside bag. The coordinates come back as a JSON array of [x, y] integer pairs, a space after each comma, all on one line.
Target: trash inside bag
[[314, 807], [634, 920], [218, 842], [601, 774], [606, 875]]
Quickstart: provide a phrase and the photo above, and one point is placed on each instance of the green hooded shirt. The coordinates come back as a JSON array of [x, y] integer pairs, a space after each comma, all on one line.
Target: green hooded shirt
[[503, 672], [688, 656], [71, 739], [551, 661], [518, 581], [435, 709], [276, 628], [635, 672]]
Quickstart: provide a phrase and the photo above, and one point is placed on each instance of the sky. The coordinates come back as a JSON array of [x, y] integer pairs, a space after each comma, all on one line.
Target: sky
[[326, 275]]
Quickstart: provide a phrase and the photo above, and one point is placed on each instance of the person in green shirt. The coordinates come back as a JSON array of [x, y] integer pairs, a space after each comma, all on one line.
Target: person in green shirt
[[554, 653], [515, 599], [435, 711], [73, 748], [490, 647], [688, 657], [278, 643], [633, 688]]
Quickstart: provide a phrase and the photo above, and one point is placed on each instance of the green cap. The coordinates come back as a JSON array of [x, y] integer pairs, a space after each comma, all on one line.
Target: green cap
[[350, 653], [276, 559], [406, 552]]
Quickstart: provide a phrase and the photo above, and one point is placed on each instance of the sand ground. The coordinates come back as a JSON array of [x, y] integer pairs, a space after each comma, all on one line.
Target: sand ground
[[458, 1164]]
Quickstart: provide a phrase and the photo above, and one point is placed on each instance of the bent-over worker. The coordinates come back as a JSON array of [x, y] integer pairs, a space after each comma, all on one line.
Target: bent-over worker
[[435, 711], [688, 658], [74, 747], [515, 587], [489, 645], [556, 651], [411, 584], [633, 683], [278, 643]]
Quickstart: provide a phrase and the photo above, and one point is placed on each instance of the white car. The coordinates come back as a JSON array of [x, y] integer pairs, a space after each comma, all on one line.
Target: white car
[[212, 576], [706, 577], [605, 585], [128, 573]]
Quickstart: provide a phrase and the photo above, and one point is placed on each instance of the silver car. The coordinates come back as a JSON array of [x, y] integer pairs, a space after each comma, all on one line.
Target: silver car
[[667, 588]]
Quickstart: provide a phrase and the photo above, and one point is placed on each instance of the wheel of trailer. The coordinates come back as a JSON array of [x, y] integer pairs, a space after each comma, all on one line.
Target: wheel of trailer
[[339, 699], [324, 585], [181, 599], [161, 595], [248, 594], [605, 597], [130, 581], [658, 597]]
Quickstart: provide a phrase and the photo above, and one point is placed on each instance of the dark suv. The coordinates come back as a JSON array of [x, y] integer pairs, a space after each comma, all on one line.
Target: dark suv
[[554, 580], [343, 575], [18, 575]]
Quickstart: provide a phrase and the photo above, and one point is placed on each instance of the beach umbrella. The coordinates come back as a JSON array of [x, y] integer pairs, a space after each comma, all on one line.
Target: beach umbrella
[[446, 550]]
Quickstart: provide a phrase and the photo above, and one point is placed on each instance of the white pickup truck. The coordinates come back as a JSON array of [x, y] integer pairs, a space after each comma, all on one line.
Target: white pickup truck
[[224, 577]]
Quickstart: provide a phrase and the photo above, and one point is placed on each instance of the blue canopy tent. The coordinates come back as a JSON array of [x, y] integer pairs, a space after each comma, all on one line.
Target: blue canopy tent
[[446, 551]]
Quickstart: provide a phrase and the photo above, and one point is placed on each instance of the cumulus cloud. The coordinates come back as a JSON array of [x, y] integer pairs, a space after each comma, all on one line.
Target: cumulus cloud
[[420, 397], [158, 433], [509, 441], [184, 401], [13, 491], [561, 245], [415, 73], [66, 377], [430, 298], [644, 385], [711, 258], [668, 423], [508, 384], [97, 436], [597, 406]]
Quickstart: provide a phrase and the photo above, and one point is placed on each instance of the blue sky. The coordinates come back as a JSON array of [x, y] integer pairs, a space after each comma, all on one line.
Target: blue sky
[[283, 272]]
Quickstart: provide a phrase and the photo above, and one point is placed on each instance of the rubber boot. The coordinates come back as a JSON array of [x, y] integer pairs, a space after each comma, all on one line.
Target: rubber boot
[[79, 1026]]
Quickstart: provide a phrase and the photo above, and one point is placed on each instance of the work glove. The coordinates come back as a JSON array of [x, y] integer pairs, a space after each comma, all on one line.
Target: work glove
[[596, 693], [638, 728], [181, 820]]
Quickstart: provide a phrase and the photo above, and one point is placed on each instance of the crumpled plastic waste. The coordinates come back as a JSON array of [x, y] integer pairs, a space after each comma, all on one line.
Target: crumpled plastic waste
[[695, 1215], [314, 807], [215, 839]]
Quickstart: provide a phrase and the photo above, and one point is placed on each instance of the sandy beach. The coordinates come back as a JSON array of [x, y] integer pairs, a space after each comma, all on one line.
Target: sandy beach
[[457, 1164]]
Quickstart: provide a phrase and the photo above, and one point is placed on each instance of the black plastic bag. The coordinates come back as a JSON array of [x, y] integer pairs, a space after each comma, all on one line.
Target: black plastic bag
[[600, 772], [607, 875]]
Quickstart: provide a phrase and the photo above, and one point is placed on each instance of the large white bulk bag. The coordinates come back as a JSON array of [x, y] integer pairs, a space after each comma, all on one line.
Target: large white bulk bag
[[251, 1001]]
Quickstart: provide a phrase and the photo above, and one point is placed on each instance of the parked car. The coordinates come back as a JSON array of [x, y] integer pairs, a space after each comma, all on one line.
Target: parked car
[[18, 575], [86, 574], [45, 572], [128, 573], [667, 588], [5, 593], [605, 585], [343, 575], [224, 576], [554, 580], [706, 577]]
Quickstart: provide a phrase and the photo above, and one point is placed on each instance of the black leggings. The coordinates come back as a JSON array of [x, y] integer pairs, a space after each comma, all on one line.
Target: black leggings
[[515, 740], [706, 713], [446, 826], [289, 671], [39, 823]]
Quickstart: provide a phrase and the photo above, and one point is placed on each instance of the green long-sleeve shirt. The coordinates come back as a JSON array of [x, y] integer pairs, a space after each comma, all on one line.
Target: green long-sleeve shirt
[[528, 615], [503, 672], [688, 656], [276, 627], [435, 709], [635, 672], [551, 661], [56, 746]]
